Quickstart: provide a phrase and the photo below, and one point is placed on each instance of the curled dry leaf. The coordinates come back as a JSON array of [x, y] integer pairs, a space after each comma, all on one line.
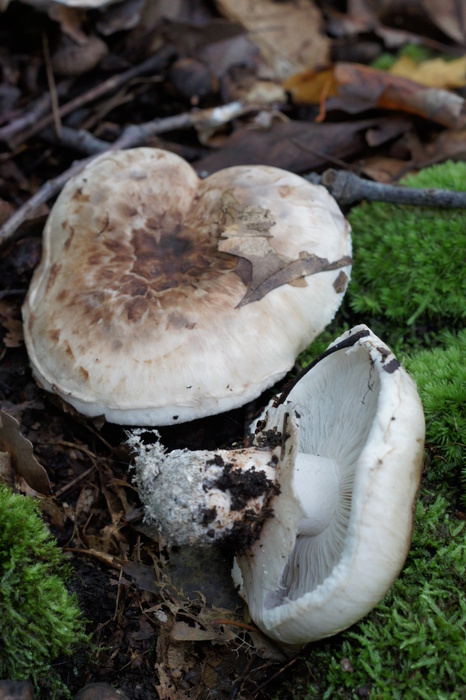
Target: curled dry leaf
[[355, 88], [21, 454]]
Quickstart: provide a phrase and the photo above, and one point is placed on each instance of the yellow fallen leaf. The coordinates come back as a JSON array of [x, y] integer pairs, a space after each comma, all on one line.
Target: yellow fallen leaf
[[436, 73]]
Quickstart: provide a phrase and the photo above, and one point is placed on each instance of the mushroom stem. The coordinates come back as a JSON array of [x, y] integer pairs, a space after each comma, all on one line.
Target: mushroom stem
[[202, 497], [316, 485]]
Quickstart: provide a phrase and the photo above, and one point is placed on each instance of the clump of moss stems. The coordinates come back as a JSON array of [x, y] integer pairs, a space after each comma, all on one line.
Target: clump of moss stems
[[39, 620], [407, 286]]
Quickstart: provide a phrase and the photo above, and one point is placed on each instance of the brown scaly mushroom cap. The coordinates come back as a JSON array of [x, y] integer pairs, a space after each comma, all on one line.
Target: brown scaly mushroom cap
[[161, 297]]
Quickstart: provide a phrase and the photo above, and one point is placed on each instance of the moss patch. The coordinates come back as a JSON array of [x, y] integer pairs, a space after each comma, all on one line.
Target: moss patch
[[39, 620]]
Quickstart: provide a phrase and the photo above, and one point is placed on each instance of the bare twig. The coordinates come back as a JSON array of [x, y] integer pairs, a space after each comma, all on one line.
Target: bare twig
[[32, 114], [78, 139], [137, 134], [48, 190], [154, 63], [348, 188], [52, 85], [132, 136]]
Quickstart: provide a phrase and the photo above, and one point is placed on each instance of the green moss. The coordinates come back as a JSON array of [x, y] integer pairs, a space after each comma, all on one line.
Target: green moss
[[440, 374], [414, 51], [39, 620], [409, 262], [413, 645]]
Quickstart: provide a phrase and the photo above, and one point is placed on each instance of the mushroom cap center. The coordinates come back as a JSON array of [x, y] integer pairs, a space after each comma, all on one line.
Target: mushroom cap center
[[316, 485]]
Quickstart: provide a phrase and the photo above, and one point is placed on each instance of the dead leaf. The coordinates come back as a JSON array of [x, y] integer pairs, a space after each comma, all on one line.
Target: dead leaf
[[21, 452], [143, 576], [182, 632], [288, 34], [355, 88], [9, 314], [71, 20], [122, 17], [436, 73], [262, 269], [384, 169], [297, 146]]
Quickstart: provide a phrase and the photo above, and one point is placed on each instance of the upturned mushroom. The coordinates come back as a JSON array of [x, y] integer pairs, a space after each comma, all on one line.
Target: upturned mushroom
[[351, 436], [162, 298]]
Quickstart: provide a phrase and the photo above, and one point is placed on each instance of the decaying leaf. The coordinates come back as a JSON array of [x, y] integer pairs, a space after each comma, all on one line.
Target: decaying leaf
[[243, 220], [355, 88], [288, 34], [449, 16], [436, 72], [260, 267], [292, 145], [21, 453]]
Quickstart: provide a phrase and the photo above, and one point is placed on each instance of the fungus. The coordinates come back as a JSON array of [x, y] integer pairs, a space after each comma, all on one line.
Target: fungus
[[343, 522], [161, 298], [351, 436], [198, 498]]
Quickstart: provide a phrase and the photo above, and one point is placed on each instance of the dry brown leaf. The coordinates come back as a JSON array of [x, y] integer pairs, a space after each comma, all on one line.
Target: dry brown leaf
[[9, 319], [70, 19], [297, 146], [436, 73], [384, 169], [182, 632], [288, 34], [355, 88], [21, 453], [260, 267]]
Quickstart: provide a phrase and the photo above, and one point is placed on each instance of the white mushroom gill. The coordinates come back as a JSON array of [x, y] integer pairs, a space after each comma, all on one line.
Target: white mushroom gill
[[314, 572], [320, 534], [336, 417]]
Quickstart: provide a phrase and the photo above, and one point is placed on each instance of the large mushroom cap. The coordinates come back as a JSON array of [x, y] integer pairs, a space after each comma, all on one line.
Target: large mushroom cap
[[343, 520], [161, 297]]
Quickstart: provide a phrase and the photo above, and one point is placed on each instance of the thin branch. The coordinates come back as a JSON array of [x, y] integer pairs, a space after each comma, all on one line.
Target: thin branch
[[52, 85], [154, 63], [132, 136], [79, 140], [32, 114], [348, 188], [137, 134]]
